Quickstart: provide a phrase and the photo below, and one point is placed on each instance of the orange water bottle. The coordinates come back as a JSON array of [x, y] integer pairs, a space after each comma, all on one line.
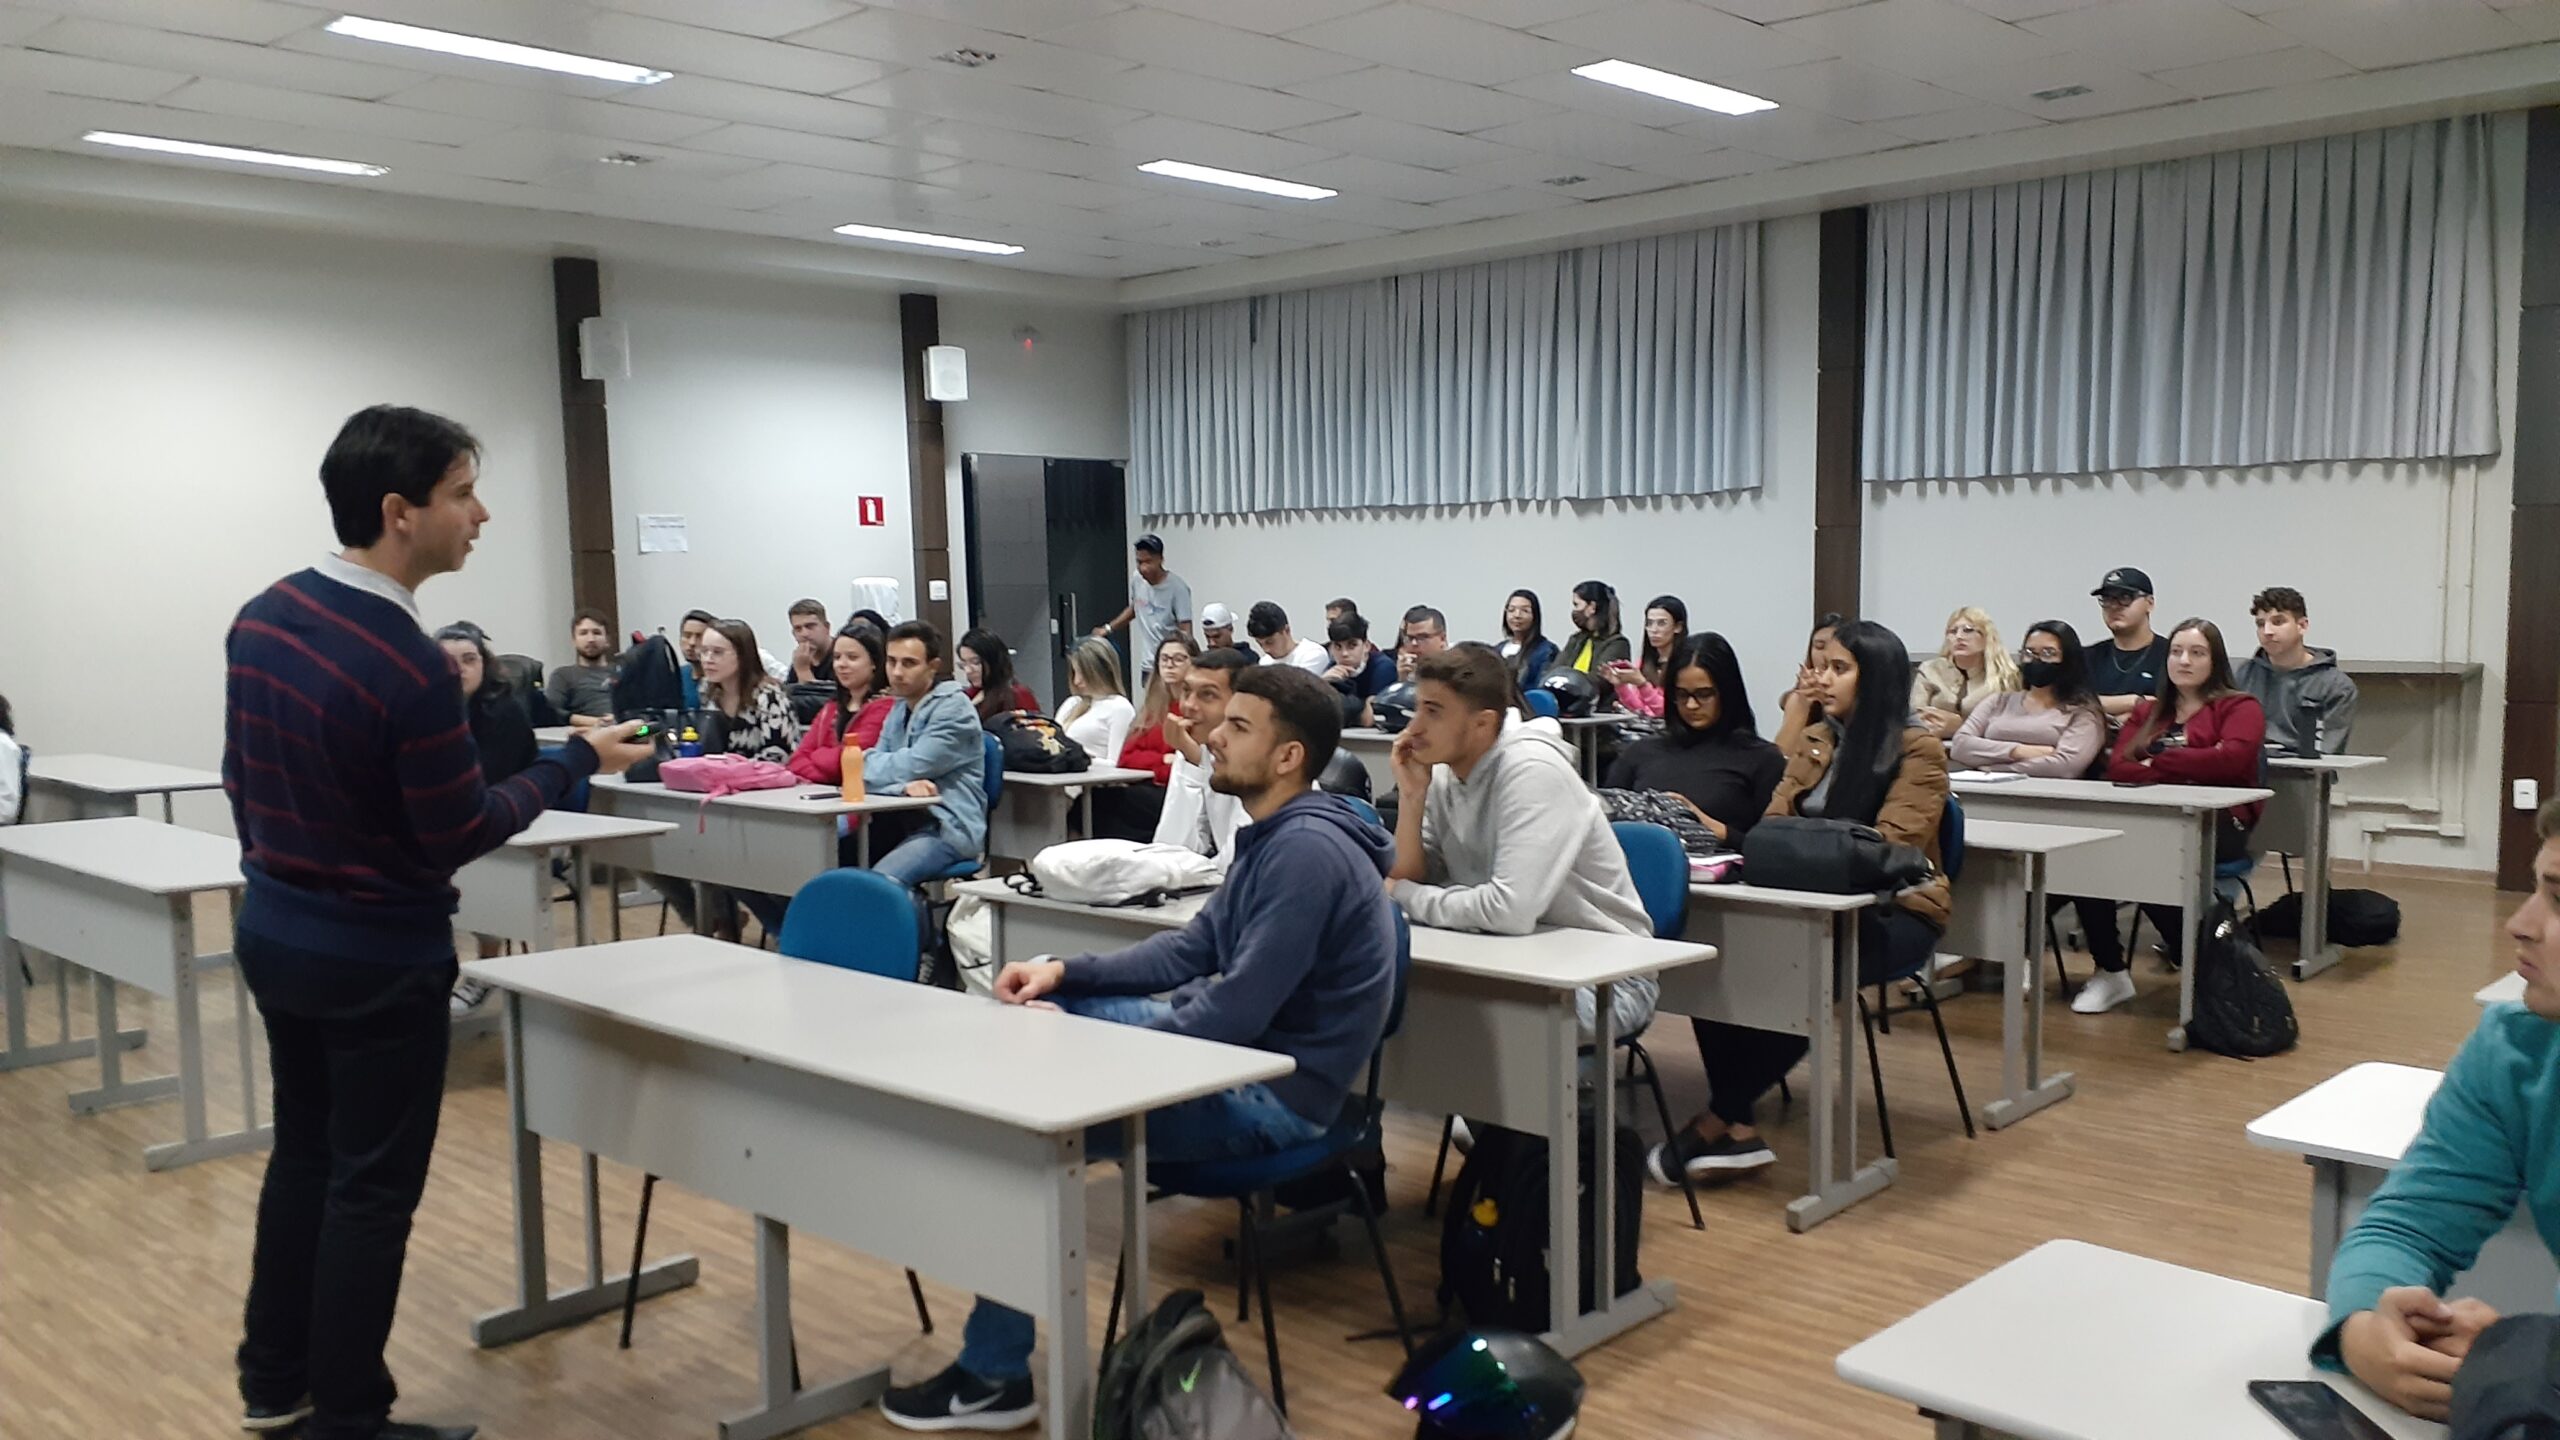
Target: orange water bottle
[[853, 791]]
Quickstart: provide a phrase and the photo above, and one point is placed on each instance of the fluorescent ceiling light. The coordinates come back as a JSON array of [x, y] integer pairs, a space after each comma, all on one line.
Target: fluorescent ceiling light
[[920, 237], [230, 152], [1627, 75], [473, 47], [1237, 180]]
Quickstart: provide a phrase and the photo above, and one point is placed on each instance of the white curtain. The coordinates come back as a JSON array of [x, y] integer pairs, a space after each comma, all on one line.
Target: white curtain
[[2327, 300], [1625, 369]]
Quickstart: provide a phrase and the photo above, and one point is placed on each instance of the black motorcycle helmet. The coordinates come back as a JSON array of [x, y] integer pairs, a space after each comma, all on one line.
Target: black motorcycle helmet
[[1575, 695], [1344, 775], [1489, 1385], [1393, 707]]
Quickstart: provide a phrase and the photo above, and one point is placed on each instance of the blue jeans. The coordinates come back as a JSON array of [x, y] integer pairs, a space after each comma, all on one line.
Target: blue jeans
[[1248, 1120], [918, 858]]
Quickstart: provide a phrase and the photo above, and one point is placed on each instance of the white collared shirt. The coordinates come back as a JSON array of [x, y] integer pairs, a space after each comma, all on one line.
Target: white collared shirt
[[373, 582]]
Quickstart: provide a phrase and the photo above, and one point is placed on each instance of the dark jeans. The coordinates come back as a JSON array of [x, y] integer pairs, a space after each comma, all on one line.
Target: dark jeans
[[1744, 1064], [357, 1051]]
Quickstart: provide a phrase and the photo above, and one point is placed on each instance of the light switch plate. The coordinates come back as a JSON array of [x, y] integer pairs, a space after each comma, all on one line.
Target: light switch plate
[[2528, 794]]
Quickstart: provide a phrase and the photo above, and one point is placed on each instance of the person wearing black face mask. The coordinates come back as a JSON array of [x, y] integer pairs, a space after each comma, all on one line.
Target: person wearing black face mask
[[2050, 730]]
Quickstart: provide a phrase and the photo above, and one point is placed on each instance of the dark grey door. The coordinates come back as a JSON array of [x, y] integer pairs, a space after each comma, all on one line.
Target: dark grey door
[[1048, 557]]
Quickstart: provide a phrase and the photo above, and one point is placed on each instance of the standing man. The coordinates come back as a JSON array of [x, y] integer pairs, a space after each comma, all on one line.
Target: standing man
[[356, 792], [2309, 701], [2127, 672], [1159, 605], [583, 689], [812, 642]]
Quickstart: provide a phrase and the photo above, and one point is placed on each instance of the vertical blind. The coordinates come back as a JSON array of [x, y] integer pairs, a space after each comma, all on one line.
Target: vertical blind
[[1614, 370], [2327, 300]]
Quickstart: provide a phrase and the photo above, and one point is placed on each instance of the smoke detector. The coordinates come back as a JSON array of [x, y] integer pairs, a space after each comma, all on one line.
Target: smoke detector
[[968, 59]]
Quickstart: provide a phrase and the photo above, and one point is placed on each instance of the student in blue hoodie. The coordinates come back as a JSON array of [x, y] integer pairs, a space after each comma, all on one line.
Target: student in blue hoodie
[[1294, 954], [2491, 1138], [931, 744]]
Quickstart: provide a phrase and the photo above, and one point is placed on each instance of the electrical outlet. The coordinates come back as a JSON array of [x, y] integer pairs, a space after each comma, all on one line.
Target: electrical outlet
[[2528, 794]]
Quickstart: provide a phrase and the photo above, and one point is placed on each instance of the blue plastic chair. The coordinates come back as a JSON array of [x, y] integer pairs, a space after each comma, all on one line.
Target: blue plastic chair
[[1541, 704], [1250, 1180], [1364, 810], [1950, 860]]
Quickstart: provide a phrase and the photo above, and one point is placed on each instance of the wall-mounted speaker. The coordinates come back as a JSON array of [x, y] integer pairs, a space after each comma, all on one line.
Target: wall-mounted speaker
[[604, 349], [946, 373]]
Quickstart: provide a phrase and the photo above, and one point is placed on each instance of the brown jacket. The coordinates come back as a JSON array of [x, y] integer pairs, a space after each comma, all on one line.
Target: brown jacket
[[1911, 809]]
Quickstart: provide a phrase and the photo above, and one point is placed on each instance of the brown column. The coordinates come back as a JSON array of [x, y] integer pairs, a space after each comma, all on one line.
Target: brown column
[[577, 293], [2532, 721], [1839, 507], [920, 326]]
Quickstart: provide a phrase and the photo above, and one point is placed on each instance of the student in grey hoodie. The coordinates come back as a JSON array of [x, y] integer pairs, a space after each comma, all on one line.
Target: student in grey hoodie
[[931, 744], [2306, 696], [1495, 831], [1294, 954]]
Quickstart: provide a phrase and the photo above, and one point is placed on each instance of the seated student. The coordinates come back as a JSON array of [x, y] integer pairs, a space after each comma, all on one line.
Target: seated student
[[1197, 815], [1294, 954], [1132, 812], [1425, 633], [986, 669], [809, 659], [1802, 705], [1596, 643], [1862, 761], [860, 669], [878, 622], [13, 765], [1971, 666], [2485, 1146], [1359, 670], [2052, 729], [1524, 638], [2308, 699], [1639, 686], [1495, 830], [749, 715], [1709, 752], [2198, 730], [503, 734], [583, 689], [1218, 631], [1268, 625], [689, 635], [2126, 671], [932, 744], [1096, 715]]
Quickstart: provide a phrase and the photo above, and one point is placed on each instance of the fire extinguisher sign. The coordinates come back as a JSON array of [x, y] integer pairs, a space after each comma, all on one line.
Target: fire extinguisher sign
[[871, 510]]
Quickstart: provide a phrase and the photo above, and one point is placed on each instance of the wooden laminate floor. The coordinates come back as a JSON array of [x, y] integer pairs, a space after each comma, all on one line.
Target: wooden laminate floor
[[120, 1290]]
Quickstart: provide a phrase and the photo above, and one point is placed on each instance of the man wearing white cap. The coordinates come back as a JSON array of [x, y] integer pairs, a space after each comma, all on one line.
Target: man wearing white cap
[[1218, 630]]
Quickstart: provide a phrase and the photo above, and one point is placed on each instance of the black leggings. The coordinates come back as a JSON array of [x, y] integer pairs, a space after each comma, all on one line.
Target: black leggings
[[2098, 917], [1744, 1064]]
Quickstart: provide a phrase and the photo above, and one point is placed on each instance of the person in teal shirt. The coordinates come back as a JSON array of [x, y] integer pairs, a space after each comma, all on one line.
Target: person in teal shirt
[[2491, 1138]]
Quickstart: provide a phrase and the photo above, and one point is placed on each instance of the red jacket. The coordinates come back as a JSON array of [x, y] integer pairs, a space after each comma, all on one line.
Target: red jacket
[[2225, 745], [820, 758], [1023, 701], [1150, 750]]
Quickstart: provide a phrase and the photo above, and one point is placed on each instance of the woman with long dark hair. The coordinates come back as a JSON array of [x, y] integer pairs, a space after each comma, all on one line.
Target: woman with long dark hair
[[1524, 638], [1801, 705], [1596, 643], [859, 709], [1640, 685], [1709, 753], [2050, 730], [985, 664], [1862, 761]]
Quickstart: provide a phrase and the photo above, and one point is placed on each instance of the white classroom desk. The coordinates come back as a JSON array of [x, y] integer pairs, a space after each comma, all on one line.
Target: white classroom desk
[[506, 893], [1372, 747], [1490, 1033], [1585, 731], [2296, 822], [2074, 1342], [2507, 987], [2162, 855], [97, 786], [1999, 916], [932, 1129], [117, 898], [1032, 815], [2351, 1129], [768, 841], [550, 735]]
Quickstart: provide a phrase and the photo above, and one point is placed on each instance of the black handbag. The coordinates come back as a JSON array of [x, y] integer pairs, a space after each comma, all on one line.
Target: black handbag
[[1829, 857], [2509, 1385]]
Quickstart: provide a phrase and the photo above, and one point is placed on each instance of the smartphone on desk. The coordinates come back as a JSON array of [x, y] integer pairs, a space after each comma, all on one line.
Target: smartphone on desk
[[2312, 1410]]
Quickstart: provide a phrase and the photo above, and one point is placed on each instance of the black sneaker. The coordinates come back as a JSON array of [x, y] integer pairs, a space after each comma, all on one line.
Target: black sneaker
[[411, 1430], [1704, 1157], [266, 1419], [958, 1400]]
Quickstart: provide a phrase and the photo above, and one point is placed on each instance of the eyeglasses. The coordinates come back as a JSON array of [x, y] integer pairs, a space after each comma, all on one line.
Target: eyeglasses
[[2118, 602], [2053, 654], [1693, 697]]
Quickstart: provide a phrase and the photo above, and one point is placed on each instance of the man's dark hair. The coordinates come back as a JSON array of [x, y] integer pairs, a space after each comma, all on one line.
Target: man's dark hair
[[1265, 620], [921, 631], [1352, 626], [8, 722], [585, 613], [1420, 613], [2281, 599], [1305, 708], [872, 618], [386, 450], [1225, 657], [1476, 672], [807, 607], [705, 616], [1343, 603], [1151, 545], [2546, 821]]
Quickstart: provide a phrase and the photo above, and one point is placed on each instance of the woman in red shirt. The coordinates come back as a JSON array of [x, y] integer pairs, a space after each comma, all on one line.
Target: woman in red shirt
[[1130, 812], [861, 706]]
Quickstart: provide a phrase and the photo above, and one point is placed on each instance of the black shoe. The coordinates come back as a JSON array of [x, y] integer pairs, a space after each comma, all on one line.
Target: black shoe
[[958, 1400], [267, 1419], [1702, 1157], [411, 1430]]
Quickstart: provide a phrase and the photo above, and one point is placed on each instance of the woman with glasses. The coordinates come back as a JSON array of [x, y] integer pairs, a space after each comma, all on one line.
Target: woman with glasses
[[1709, 753], [2052, 729], [1970, 667]]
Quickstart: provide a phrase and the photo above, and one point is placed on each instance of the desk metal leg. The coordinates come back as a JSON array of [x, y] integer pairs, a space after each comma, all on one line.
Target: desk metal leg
[[2328, 1220], [198, 1144], [581, 927], [787, 1405], [2315, 953], [1133, 1220], [114, 1091], [861, 843], [1611, 1315], [2191, 923], [1070, 1371], [2023, 1084], [537, 1307], [1837, 1181]]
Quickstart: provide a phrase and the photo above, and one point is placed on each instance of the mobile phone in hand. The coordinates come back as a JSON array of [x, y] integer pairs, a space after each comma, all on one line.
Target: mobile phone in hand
[[2314, 1411]]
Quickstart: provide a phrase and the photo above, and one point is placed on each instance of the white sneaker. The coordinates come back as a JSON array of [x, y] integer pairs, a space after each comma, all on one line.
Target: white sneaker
[[2104, 991], [1461, 1139], [467, 995]]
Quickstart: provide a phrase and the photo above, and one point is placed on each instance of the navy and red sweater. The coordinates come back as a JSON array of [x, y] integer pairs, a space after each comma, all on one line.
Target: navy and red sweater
[[353, 779]]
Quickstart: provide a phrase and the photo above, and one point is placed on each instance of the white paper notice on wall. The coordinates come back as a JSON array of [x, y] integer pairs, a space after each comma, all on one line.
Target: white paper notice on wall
[[662, 535]]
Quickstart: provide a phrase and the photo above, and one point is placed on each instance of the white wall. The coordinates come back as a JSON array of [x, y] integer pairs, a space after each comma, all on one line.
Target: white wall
[[1744, 564], [167, 388]]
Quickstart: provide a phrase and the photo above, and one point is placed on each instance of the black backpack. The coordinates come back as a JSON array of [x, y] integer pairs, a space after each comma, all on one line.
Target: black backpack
[[2357, 918], [648, 681], [1173, 1378], [1035, 745], [807, 698], [1493, 1236], [2509, 1385], [2241, 1008]]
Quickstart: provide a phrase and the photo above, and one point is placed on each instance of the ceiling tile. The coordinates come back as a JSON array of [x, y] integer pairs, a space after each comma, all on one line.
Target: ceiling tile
[[963, 140], [1385, 177], [1320, 229], [1798, 135], [255, 22], [1847, 90], [1568, 91], [900, 38], [1685, 38], [2112, 89], [329, 112], [2015, 10], [755, 105], [1597, 182], [834, 200], [17, 25], [1191, 206], [1420, 99], [1269, 17], [1518, 14], [2162, 34], [80, 75], [1494, 204], [223, 59], [693, 50], [993, 179], [1039, 19], [960, 95], [1179, 42], [561, 26], [1198, 97], [1394, 140], [825, 152], [1437, 42], [1025, 214], [1960, 124], [37, 118], [1703, 164], [768, 18], [1591, 137], [2539, 20], [2255, 72], [1770, 12], [544, 110], [1919, 38], [2375, 36], [1163, 137]]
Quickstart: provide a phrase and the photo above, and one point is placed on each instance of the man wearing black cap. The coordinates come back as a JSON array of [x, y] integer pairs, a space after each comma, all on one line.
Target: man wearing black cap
[[2128, 671], [1159, 605]]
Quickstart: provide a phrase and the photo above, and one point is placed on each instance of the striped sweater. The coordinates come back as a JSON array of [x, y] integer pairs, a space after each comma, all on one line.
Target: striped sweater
[[354, 783]]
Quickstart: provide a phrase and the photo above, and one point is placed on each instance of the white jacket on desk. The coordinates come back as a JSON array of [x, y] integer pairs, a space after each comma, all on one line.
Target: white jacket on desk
[[13, 790], [1195, 816]]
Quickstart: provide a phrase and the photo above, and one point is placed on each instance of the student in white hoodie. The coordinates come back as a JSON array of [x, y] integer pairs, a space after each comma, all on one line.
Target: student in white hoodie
[[1196, 816], [1495, 831]]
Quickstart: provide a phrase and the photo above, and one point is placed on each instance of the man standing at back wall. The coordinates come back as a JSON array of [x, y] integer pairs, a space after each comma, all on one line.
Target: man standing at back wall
[[1159, 605], [357, 793]]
